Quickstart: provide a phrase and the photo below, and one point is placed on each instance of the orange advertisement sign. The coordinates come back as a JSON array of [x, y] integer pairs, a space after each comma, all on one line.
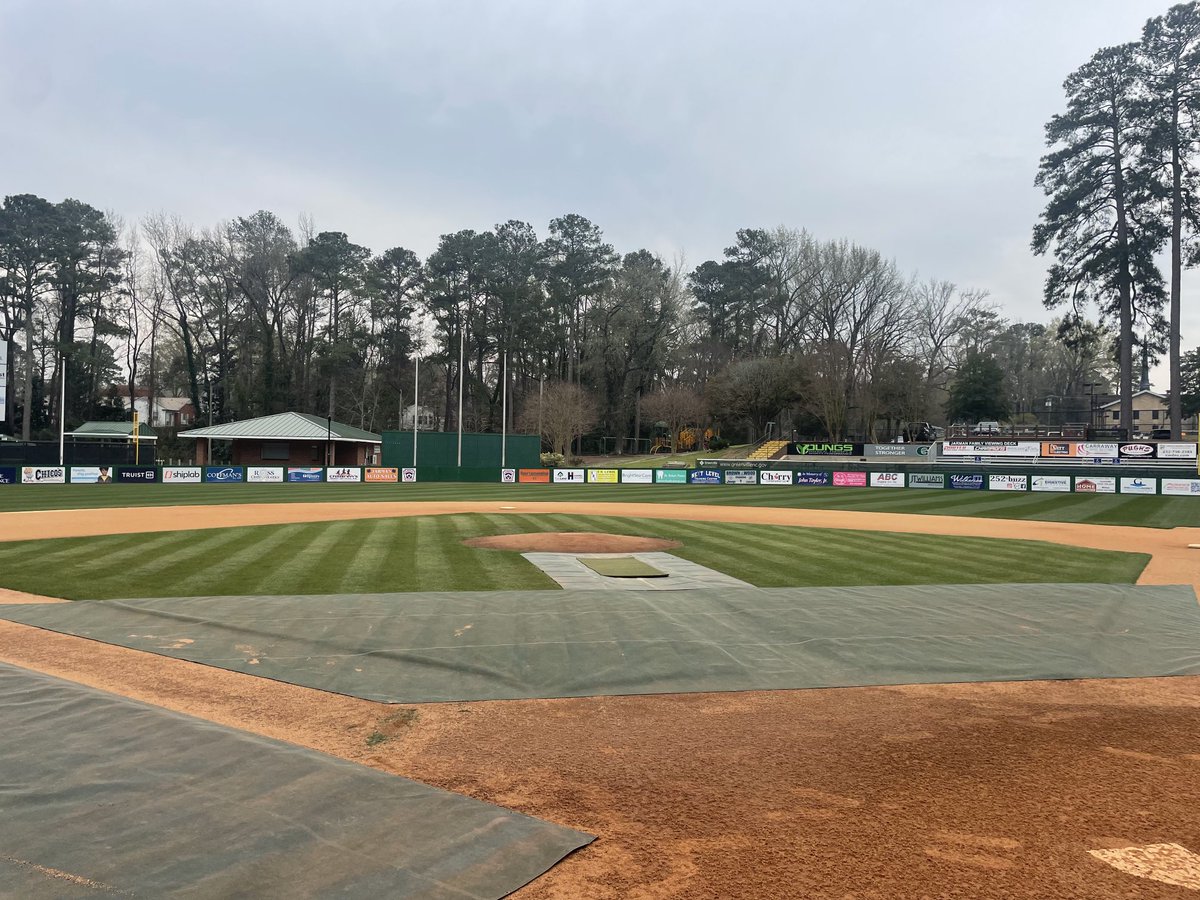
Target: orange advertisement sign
[[381, 475], [533, 476]]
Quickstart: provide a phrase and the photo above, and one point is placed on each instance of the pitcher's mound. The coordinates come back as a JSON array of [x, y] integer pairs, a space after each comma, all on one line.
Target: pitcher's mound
[[570, 542]]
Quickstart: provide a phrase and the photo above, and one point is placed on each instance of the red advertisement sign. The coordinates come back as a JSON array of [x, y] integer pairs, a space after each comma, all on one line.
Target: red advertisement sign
[[533, 476], [850, 479], [387, 475]]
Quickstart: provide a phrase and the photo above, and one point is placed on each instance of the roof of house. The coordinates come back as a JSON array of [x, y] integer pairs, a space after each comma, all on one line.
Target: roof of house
[[114, 430], [288, 426], [173, 404], [1117, 402]]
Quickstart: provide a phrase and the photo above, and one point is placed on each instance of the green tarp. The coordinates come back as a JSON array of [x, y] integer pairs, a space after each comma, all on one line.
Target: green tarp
[[421, 647], [103, 796], [621, 567]]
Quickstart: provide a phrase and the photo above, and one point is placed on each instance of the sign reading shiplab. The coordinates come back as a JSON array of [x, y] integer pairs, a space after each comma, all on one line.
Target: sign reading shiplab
[[222, 474], [508, 476], [182, 474], [1008, 482], [813, 479], [887, 479], [670, 476], [343, 475], [704, 476], [926, 480], [637, 476], [305, 473], [774, 476], [602, 476], [740, 476], [569, 476], [1054, 484], [966, 482], [1095, 484], [1139, 485], [43, 475], [264, 474], [1181, 487]]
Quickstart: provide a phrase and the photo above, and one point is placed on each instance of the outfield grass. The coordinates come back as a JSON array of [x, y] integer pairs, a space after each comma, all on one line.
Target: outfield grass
[[425, 553], [1096, 509]]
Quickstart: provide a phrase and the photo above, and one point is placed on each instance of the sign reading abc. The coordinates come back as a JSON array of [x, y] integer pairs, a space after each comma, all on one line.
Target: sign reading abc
[[1008, 482], [1176, 451], [533, 476], [264, 474], [305, 473], [507, 476], [602, 476], [8, 475], [887, 479], [1095, 484], [849, 479], [704, 476], [43, 475], [1139, 485], [137, 474], [774, 476], [670, 476], [408, 476], [222, 474], [569, 476], [740, 476], [813, 479], [926, 480], [1181, 487], [637, 476], [1051, 484], [343, 475], [966, 482], [182, 474], [822, 449]]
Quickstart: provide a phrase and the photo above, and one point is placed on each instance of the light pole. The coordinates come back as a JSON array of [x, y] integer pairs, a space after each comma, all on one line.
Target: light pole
[[328, 439]]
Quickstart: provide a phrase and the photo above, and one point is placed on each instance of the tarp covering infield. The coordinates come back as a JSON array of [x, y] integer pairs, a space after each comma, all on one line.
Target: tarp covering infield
[[433, 647], [105, 796]]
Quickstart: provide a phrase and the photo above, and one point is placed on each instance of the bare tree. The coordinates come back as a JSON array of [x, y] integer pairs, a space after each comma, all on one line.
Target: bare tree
[[563, 411], [676, 406]]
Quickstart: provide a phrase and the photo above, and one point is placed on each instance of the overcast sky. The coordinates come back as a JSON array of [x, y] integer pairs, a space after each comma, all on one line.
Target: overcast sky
[[911, 127]]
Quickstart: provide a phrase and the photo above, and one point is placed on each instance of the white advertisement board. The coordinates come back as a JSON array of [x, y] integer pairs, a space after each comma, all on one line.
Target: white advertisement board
[[1008, 482], [182, 474], [887, 479], [1093, 450], [343, 474], [91, 475], [508, 476], [408, 476], [1095, 484], [774, 476], [43, 475], [1057, 484], [1176, 451], [992, 448], [263, 474], [1139, 485], [1181, 487], [637, 476], [569, 476]]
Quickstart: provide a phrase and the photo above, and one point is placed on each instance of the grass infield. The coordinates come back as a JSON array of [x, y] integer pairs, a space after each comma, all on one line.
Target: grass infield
[[426, 553]]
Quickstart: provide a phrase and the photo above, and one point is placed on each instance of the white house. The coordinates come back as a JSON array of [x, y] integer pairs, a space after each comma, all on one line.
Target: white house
[[427, 419]]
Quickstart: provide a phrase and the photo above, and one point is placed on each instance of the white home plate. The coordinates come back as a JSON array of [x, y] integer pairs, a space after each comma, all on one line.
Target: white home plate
[[1168, 863]]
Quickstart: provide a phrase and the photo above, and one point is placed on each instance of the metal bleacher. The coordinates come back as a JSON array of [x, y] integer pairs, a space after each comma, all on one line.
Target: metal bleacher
[[769, 450]]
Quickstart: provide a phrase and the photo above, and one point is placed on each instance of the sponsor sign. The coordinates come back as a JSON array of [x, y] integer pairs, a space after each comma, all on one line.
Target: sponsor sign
[[533, 476], [887, 479], [741, 476], [1136, 451], [849, 479], [343, 474], [774, 476], [222, 474], [382, 475], [1081, 449], [137, 474], [926, 480], [1095, 484], [1176, 451], [1008, 482], [637, 476], [8, 475], [602, 476], [991, 448], [704, 476], [507, 476], [91, 475], [43, 475], [966, 482], [264, 474], [408, 476], [183, 474], [305, 473], [1051, 484], [1181, 487], [670, 476], [813, 479], [3, 381], [896, 450], [569, 476], [822, 449], [1139, 485]]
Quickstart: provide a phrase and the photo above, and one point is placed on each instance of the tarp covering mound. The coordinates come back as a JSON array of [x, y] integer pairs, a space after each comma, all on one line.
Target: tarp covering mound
[[104, 796], [426, 647]]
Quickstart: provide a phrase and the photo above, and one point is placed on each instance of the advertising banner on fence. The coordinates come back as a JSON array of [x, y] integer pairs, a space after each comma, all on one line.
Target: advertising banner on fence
[[1095, 484], [264, 474], [813, 479], [1176, 451], [9, 475], [3, 381], [408, 476], [137, 474], [849, 479], [1181, 487], [774, 476], [887, 479], [385, 474], [991, 448], [825, 449], [670, 476], [91, 475], [1139, 485], [43, 475], [305, 473], [740, 476], [926, 480], [222, 474], [343, 475], [507, 476], [966, 482], [1136, 451], [602, 476], [1008, 482], [533, 476], [568, 476], [870, 450], [182, 474], [637, 476], [704, 476], [1080, 450], [1051, 484]]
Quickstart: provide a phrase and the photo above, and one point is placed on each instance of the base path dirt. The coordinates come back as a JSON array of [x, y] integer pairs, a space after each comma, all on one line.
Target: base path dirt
[[571, 542], [1173, 562]]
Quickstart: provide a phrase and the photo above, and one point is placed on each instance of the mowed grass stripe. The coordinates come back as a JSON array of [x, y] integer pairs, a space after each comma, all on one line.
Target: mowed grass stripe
[[237, 563]]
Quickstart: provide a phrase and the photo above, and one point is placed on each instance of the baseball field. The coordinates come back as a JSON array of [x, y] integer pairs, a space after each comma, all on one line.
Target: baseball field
[[1013, 756]]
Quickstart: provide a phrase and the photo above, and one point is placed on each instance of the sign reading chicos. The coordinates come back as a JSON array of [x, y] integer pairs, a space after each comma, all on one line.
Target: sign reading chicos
[[43, 475]]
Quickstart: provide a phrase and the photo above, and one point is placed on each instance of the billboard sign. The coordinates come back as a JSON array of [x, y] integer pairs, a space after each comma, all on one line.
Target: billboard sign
[[507, 476], [704, 476], [569, 476], [887, 479], [1176, 451], [343, 475], [264, 474], [1136, 451], [91, 475], [43, 475], [1181, 487], [182, 474], [1139, 485], [926, 480], [813, 479], [849, 479], [602, 476], [1095, 484], [1051, 484], [637, 476], [8, 475], [831, 449], [775, 476], [222, 474], [305, 473], [741, 476], [382, 475], [896, 450], [966, 482], [1008, 482], [670, 476], [408, 476], [992, 448], [533, 476], [137, 474]]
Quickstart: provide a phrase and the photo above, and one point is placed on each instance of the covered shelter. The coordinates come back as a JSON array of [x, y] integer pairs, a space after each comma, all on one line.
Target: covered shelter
[[289, 438], [111, 442]]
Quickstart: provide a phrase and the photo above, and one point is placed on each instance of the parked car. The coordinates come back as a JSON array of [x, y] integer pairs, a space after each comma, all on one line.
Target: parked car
[[986, 428]]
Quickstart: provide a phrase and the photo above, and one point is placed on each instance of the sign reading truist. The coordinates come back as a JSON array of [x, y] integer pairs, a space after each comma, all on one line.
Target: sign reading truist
[[926, 480], [705, 476], [137, 474], [740, 476], [966, 482], [813, 479], [895, 450], [830, 449]]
